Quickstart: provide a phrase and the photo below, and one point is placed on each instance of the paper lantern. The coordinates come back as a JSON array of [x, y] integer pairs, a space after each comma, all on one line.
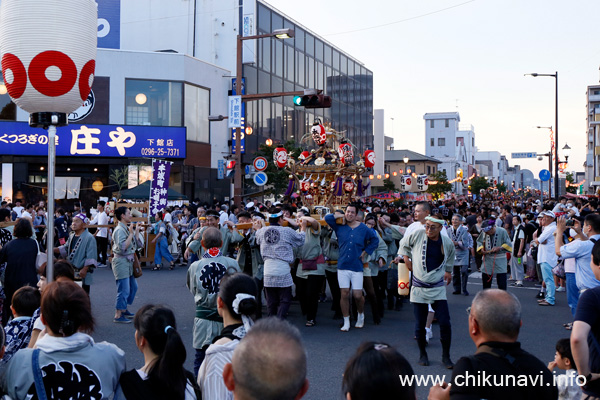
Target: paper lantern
[[318, 134], [304, 186], [280, 156], [345, 153], [48, 52], [406, 183], [369, 158], [422, 183], [348, 186], [303, 155], [403, 280]]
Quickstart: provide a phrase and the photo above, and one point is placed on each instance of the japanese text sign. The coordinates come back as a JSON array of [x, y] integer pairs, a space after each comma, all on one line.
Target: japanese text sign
[[235, 112], [18, 138], [160, 185]]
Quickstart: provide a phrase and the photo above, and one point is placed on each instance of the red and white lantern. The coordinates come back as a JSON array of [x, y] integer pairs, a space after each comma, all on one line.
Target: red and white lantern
[[345, 153], [48, 52], [369, 158], [304, 155], [348, 186], [304, 186], [318, 134], [280, 156]]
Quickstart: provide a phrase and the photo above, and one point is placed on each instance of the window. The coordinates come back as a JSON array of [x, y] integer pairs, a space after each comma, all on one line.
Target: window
[[473, 141], [441, 141], [197, 107], [447, 123], [431, 124], [432, 142], [434, 170], [429, 170], [460, 141], [412, 168], [155, 103]]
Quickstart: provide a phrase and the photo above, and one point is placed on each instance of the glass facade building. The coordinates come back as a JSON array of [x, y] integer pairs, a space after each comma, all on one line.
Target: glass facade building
[[302, 62]]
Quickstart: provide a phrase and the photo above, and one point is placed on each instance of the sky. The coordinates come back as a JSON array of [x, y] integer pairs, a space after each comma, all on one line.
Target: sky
[[470, 56]]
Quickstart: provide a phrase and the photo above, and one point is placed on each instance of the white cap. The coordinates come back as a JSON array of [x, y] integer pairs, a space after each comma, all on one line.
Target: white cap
[[249, 205]]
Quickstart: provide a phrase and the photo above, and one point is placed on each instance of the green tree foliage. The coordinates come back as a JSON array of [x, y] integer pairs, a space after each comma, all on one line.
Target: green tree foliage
[[442, 186], [278, 178], [479, 183], [570, 179], [501, 188], [388, 185]]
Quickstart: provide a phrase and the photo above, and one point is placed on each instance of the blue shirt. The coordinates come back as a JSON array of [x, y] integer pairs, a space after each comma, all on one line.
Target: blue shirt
[[352, 242], [581, 251]]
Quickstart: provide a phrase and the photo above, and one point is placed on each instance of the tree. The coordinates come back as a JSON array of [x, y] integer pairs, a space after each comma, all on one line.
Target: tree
[[278, 178], [479, 183], [441, 186], [120, 177], [501, 187], [388, 185], [571, 189]]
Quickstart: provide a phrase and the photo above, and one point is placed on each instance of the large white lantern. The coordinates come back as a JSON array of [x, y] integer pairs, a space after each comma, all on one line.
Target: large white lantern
[[48, 50], [48, 59]]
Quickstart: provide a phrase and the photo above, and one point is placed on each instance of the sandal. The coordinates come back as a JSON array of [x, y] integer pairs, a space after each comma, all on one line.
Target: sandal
[[157, 268], [310, 323], [568, 326], [172, 267]]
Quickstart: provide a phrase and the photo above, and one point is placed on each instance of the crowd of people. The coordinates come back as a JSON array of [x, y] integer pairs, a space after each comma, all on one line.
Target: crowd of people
[[235, 257]]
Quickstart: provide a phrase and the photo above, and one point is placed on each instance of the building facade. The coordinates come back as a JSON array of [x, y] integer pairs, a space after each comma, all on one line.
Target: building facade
[[416, 163], [159, 101], [147, 78], [451, 143], [592, 160]]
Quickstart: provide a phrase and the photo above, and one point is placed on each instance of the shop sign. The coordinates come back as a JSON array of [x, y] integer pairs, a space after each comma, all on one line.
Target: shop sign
[[19, 139]]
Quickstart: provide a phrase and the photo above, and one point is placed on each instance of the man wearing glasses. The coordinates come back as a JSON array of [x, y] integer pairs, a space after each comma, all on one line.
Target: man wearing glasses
[[430, 257]]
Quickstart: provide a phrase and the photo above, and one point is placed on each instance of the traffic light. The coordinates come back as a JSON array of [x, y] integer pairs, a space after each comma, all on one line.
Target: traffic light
[[230, 168], [313, 101]]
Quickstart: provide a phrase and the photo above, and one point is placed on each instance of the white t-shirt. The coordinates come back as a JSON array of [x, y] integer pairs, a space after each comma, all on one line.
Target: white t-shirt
[[18, 210], [101, 219], [168, 218]]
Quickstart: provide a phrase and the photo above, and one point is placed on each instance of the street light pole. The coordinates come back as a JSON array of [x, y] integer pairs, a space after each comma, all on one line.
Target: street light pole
[[237, 177], [555, 76]]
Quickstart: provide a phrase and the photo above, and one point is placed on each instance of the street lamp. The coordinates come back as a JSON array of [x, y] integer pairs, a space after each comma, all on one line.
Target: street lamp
[[405, 159], [555, 76], [566, 152], [237, 180]]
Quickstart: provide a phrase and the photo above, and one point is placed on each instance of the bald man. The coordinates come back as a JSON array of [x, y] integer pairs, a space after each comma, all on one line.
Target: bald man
[[259, 369], [499, 369]]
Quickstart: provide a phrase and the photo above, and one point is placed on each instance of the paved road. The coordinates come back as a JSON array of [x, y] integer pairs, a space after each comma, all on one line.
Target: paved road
[[328, 348]]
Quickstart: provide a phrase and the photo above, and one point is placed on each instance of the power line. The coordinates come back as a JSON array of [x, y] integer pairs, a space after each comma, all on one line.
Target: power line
[[402, 20]]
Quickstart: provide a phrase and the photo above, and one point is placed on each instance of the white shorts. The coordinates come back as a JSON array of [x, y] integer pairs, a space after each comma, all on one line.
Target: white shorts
[[347, 277]]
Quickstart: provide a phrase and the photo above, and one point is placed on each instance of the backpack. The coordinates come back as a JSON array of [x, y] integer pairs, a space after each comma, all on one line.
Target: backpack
[[168, 234]]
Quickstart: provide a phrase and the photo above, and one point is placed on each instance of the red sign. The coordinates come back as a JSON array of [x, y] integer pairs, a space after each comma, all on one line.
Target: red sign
[[260, 163], [408, 182]]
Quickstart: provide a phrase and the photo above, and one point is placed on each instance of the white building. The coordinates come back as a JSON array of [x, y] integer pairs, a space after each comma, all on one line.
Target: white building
[[451, 143], [592, 161]]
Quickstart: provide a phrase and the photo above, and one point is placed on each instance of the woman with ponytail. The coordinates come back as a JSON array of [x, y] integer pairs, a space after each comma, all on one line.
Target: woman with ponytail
[[237, 304], [163, 375]]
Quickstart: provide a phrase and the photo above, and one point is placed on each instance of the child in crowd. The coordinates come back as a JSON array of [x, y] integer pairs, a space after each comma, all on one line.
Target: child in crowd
[[568, 389], [18, 331]]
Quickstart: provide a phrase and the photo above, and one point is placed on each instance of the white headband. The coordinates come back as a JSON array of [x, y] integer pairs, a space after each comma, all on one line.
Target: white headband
[[439, 221], [236, 308], [279, 214]]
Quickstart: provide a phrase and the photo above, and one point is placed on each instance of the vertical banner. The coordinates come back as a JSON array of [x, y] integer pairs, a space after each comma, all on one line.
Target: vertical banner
[[160, 185]]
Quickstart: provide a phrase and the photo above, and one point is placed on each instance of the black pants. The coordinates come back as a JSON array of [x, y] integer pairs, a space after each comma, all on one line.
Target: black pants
[[459, 278], [334, 286], [278, 301], [308, 293], [421, 310], [260, 286], [101, 248], [487, 280], [380, 285]]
